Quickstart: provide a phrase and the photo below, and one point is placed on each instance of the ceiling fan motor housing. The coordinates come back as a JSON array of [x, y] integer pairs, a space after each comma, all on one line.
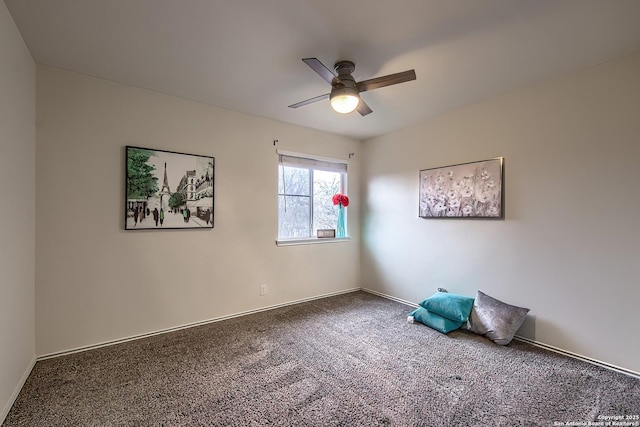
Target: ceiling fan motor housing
[[344, 78]]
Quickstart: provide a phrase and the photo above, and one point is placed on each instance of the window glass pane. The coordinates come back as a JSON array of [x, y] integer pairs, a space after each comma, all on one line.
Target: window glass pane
[[306, 187], [294, 217], [294, 181], [325, 185]]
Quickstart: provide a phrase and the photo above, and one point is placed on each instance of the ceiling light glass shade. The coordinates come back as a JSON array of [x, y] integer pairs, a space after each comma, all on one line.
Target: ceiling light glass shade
[[344, 100]]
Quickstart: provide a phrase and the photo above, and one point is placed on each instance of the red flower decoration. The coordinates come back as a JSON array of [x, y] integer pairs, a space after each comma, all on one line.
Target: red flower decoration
[[340, 199]]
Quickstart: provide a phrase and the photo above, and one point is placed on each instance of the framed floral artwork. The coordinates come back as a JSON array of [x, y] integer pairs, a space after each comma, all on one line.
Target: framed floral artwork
[[468, 190], [167, 190]]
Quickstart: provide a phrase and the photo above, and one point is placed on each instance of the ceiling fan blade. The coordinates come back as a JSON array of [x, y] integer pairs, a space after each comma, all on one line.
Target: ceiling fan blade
[[388, 80], [363, 108], [320, 68], [309, 101]]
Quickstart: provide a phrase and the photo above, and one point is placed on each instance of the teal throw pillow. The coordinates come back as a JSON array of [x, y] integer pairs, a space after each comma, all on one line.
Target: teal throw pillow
[[452, 306], [434, 321]]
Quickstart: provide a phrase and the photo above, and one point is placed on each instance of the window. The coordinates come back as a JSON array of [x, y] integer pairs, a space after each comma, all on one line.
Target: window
[[305, 188]]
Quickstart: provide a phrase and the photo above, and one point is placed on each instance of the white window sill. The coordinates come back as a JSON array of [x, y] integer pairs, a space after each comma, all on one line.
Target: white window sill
[[311, 241]]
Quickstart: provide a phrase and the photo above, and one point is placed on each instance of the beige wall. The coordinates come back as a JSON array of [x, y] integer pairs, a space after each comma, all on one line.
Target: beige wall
[[17, 212], [569, 247], [97, 282]]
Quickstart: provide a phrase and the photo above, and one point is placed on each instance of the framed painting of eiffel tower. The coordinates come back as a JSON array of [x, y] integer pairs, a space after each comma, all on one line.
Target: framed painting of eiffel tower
[[167, 190]]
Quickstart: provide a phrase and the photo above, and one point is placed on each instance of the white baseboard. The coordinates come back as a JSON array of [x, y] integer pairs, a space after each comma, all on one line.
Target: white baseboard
[[189, 325], [579, 357], [536, 343], [16, 390], [244, 313], [380, 294]]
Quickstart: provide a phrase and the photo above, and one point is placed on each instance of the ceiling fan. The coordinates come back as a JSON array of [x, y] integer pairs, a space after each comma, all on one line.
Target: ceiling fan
[[345, 91]]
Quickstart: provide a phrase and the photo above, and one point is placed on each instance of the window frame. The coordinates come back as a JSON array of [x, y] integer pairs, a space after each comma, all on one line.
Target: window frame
[[313, 163]]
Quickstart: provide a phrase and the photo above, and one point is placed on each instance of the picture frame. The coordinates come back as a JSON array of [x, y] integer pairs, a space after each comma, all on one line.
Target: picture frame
[[168, 190], [324, 233], [466, 190]]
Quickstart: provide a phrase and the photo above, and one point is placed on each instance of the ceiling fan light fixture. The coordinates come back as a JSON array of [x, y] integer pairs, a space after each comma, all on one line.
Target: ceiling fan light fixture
[[345, 91], [345, 99]]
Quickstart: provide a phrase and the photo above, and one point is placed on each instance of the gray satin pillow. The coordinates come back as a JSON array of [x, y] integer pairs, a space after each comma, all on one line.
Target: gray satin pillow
[[495, 319]]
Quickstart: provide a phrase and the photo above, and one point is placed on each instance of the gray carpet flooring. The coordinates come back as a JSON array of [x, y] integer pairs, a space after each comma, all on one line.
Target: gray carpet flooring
[[348, 360]]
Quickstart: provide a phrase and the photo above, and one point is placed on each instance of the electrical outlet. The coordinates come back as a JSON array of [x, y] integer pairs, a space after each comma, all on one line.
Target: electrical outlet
[[263, 289]]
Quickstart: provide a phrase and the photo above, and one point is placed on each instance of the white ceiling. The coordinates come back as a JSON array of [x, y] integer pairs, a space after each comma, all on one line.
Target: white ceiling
[[245, 55]]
